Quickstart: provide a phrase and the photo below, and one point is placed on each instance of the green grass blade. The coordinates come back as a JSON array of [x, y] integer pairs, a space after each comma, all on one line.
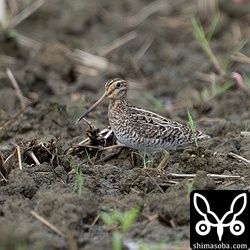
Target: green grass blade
[[201, 38], [116, 241], [130, 218], [198, 33], [236, 49], [219, 90], [192, 126], [212, 27], [108, 219]]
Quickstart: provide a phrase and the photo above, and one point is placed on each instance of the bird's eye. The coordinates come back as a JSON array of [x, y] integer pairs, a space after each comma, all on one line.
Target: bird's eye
[[118, 84]]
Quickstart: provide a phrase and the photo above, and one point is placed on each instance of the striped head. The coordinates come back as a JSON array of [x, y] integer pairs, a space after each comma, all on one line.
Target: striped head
[[116, 89]]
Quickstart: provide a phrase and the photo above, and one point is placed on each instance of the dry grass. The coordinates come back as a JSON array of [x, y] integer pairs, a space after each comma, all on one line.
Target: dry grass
[[12, 14]]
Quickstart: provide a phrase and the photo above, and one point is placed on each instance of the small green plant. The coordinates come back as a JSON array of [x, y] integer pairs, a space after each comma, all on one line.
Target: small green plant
[[227, 60], [117, 241], [121, 221], [204, 40], [222, 66], [79, 179], [144, 158], [11, 33], [87, 154], [215, 90], [192, 126], [190, 188]]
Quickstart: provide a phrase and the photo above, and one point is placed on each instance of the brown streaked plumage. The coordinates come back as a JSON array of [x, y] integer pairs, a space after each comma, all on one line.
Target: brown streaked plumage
[[141, 129]]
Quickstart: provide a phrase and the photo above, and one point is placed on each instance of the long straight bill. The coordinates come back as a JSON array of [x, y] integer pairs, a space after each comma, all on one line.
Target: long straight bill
[[92, 107]]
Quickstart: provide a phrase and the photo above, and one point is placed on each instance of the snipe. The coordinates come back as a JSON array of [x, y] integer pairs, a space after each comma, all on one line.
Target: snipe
[[141, 129]]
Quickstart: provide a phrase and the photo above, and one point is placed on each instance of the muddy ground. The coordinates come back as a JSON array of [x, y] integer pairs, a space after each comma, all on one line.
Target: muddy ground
[[61, 56]]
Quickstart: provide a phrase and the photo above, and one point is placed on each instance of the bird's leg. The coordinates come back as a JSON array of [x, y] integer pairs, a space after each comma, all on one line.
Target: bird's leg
[[164, 159]]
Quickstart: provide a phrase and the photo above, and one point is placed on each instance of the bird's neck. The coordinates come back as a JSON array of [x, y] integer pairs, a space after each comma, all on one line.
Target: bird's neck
[[118, 104]]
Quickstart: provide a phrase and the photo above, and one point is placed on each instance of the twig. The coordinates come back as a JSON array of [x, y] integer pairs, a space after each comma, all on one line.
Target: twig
[[239, 57], [19, 157], [105, 133], [18, 153], [7, 123], [112, 147], [144, 13], [2, 13], [33, 157], [178, 23], [3, 178], [28, 42], [9, 157], [89, 60], [230, 183], [22, 99], [117, 43], [48, 224], [216, 176], [95, 220], [205, 77], [79, 69], [87, 122], [9, 60], [172, 224], [25, 13], [239, 158], [108, 134], [143, 49], [157, 185]]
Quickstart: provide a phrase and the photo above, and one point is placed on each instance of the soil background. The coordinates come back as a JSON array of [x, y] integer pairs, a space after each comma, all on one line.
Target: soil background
[[61, 56]]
